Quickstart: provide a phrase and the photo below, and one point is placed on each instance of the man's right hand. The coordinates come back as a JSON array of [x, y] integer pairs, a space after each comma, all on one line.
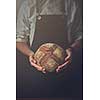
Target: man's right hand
[[34, 63]]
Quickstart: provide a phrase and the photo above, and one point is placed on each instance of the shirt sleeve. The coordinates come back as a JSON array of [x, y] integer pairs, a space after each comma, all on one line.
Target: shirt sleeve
[[77, 25], [22, 31], [74, 23]]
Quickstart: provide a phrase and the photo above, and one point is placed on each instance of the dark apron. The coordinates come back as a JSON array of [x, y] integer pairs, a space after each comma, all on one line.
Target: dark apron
[[34, 84], [52, 29]]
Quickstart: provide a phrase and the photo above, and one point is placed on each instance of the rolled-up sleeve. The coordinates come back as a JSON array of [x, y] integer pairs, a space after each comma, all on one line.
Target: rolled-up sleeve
[[23, 26], [74, 23], [77, 24]]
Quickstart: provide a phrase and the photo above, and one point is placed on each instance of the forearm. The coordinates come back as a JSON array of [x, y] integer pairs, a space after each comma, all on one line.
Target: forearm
[[24, 48]]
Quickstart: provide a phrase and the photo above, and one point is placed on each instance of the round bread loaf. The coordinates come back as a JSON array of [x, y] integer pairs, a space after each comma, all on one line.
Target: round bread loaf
[[49, 56]]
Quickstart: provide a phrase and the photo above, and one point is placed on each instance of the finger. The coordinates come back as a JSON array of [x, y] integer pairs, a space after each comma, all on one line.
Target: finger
[[67, 58], [43, 70], [59, 67], [68, 55], [63, 64], [32, 59], [57, 70], [33, 63], [39, 68], [36, 66]]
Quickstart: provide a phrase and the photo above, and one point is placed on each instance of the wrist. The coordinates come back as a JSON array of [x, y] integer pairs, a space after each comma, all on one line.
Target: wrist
[[69, 49], [31, 53], [76, 45]]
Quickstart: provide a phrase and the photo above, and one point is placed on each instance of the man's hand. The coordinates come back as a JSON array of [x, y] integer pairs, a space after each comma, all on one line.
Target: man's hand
[[33, 63], [67, 59]]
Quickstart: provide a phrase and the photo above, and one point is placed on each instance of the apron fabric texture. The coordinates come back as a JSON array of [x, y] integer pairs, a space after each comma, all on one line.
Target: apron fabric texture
[[50, 28], [35, 84]]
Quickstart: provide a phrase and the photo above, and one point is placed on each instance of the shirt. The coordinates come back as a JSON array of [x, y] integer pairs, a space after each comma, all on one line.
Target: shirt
[[31, 9]]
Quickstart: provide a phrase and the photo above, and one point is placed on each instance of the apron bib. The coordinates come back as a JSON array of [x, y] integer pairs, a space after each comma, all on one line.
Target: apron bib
[[50, 28]]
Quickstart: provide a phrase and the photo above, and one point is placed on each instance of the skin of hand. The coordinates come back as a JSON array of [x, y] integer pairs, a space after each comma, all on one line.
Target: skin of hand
[[76, 45], [24, 48], [34, 63], [67, 60]]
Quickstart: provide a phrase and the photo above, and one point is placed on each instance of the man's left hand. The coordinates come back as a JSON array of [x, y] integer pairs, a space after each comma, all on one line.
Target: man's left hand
[[67, 60]]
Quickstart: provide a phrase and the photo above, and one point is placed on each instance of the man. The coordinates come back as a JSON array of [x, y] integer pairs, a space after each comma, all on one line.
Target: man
[[24, 30], [41, 21]]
